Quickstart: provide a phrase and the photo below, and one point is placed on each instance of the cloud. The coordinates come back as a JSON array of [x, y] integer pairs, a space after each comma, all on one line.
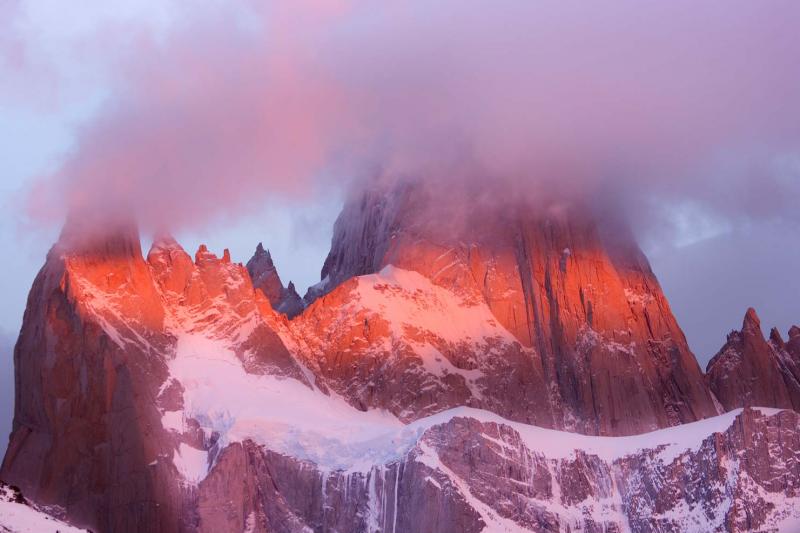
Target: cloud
[[639, 104]]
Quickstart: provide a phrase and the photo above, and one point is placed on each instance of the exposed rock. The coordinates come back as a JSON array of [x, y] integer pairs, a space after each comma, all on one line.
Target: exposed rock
[[749, 370], [581, 297], [88, 364], [265, 277], [291, 304], [91, 374], [170, 395], [793, 344], [396, 341], [470, 475]]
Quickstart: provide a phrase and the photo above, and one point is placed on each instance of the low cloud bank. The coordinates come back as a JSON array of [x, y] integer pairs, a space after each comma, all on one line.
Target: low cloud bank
[[637, 105]]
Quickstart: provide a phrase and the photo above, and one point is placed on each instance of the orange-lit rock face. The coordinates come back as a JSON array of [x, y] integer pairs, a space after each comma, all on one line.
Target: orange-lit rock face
[[611, 352], [395, 340], [93, 384], [110, 274], [88, 365], [216, 297]]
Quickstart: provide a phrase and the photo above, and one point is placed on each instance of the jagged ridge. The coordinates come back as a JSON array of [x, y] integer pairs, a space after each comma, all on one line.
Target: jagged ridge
[[170, 384]]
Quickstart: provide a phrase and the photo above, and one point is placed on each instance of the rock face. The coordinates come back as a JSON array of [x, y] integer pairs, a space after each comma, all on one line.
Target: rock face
[[736, 474], [265, 277], [88, 364], [394, 340], [751, 370], [425, 390], [92, 379], [580, 298]]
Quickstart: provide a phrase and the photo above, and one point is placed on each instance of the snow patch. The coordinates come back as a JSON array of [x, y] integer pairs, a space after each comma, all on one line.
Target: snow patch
[[18, 517], [191, 463], [292, 418], [282, 413], [407, 299], [173, 420]]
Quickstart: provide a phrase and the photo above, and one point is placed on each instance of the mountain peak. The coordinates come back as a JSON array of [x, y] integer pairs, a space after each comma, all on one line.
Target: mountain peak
[[775, 337], [514, 262], [265, 276], [291, 303], [262, 256], [748, 370], [751, 321], [203, 255]]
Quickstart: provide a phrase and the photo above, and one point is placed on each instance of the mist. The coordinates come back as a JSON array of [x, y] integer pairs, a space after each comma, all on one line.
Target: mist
[[681, 118], [647, 107]]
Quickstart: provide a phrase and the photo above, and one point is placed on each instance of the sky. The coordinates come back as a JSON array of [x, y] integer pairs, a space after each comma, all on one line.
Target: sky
[[233, 123]]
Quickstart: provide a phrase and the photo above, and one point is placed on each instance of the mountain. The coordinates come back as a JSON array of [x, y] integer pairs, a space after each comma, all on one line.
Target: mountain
[[265, 277], [93, 378], [594, 347], [466, 386], [751, 370]]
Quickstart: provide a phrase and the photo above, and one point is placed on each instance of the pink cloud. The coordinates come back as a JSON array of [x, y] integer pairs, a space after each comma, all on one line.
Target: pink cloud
[[677, 100]]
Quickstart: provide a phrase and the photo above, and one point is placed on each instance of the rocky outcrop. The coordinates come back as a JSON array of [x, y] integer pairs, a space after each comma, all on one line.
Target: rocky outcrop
[[291, 303], [735, 475], [396, 341], [91, 374], [265, 277], [88, 364], [580, 296], [751, 370]]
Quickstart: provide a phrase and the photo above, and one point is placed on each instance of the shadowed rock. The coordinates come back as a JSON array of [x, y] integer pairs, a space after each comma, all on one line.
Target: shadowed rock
[[749, 370], [265, 277]]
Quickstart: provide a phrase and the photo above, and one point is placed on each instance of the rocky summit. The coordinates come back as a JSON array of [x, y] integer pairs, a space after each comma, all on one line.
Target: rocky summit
[[752, 370], [496, 369]]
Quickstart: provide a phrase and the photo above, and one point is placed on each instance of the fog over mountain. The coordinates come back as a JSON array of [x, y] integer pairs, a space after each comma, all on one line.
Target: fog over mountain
[[233, 105]]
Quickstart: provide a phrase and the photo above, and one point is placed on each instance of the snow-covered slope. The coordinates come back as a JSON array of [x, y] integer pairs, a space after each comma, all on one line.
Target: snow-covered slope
[[292, 418], [19, 516], [372, 462]]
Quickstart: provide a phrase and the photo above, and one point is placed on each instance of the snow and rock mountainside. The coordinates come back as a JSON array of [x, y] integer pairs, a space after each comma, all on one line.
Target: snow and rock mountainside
[[93, 387], [582, 303], [167, 394], [265, 277], [751, 370], [17, 515]]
